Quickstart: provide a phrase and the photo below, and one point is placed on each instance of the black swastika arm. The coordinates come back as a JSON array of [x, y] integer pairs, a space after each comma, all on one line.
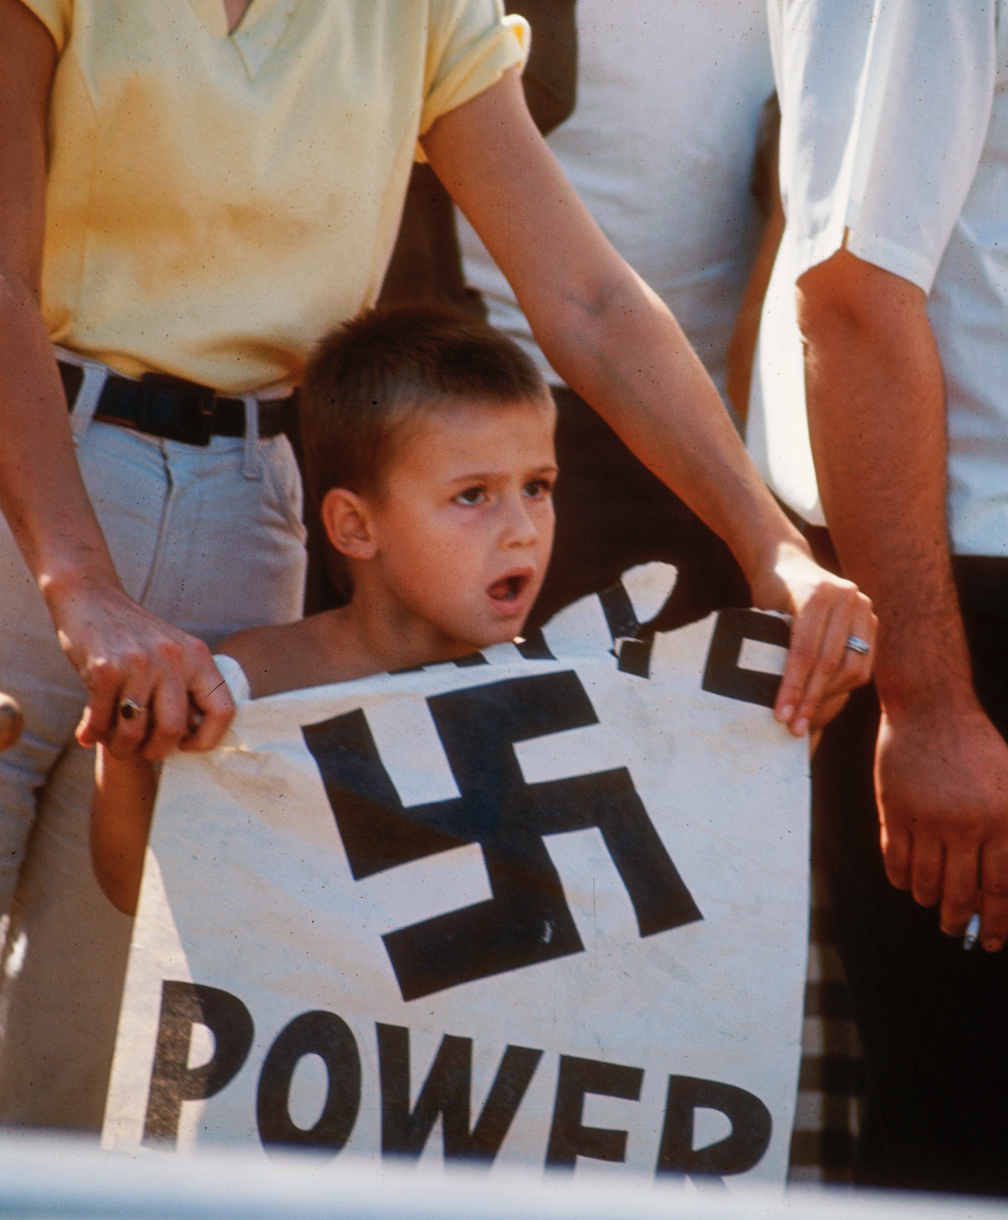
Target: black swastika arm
[[527, 919]]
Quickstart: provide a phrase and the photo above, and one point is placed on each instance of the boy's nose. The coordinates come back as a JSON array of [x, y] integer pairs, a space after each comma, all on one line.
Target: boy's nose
[[521, 527]]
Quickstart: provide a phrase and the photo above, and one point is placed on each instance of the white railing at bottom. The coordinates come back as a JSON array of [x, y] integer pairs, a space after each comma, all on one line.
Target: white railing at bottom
[[72, 1179]]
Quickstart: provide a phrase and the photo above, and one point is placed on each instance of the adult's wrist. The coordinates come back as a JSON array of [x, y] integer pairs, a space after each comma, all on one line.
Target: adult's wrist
[[65, 580], [929, 683], [767, 569]]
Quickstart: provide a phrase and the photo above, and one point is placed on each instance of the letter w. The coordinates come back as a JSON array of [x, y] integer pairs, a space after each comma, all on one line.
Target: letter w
[[447, 1091]]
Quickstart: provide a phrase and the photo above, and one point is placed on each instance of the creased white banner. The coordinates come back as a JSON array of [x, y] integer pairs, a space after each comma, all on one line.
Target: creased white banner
[[549, 909]]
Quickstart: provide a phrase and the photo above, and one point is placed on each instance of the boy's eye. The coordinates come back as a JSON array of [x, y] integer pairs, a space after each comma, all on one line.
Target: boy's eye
[[471, 495], [538, 489]]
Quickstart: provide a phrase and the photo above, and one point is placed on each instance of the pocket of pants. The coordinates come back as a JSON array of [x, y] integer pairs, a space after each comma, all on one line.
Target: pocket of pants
[[283, 481]]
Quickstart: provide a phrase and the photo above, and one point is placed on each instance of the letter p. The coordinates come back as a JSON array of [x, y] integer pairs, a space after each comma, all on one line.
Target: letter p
[[173, 1081]]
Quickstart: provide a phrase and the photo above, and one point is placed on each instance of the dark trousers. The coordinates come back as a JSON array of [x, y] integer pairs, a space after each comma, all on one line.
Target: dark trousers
[[933, 1017]]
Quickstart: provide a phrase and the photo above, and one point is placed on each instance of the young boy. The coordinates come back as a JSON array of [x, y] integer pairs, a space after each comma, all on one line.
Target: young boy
[[428, 442], [428, 446]]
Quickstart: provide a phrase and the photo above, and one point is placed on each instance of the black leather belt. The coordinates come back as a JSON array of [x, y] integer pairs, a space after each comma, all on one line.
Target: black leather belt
[[178, 410]]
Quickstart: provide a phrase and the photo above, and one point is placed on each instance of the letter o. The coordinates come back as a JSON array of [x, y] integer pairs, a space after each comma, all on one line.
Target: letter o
[[312, 1033]]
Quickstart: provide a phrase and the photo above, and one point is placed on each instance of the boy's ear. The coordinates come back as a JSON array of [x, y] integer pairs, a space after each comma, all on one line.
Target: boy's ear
[[347, 523]]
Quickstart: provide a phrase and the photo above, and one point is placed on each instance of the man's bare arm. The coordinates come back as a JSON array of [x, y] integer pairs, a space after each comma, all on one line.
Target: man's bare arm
[[877, 421], [119, 650]]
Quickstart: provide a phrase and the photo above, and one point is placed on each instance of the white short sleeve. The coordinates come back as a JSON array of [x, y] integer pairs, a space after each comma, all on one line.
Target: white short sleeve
[[892, 141], [875, 154]]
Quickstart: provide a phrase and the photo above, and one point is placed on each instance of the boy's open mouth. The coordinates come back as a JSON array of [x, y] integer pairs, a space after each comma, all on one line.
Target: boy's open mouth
[[508, 588]]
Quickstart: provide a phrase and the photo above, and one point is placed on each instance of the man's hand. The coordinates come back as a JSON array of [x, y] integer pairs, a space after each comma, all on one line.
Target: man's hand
[[828, 613], [151, 688], [941, 777]]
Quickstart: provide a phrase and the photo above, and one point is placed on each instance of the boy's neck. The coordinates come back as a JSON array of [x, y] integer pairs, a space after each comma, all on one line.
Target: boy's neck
[[374, 639], [334, 646]]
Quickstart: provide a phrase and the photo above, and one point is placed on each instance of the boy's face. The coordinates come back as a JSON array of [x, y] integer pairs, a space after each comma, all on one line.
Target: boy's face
[[464, 524]]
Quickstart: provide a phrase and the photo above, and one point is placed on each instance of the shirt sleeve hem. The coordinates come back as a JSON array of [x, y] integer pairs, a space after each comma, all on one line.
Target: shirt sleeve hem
[[880, 251], [505, 46]]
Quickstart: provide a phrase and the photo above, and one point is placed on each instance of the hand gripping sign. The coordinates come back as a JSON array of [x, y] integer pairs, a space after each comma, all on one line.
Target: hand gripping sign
[[547, 906]]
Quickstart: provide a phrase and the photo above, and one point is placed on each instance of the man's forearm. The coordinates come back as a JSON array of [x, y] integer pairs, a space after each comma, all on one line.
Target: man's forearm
[[876, 410], [877, 422]]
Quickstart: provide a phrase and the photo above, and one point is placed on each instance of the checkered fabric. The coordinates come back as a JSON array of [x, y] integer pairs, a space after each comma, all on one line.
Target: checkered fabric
[[831, 1082]]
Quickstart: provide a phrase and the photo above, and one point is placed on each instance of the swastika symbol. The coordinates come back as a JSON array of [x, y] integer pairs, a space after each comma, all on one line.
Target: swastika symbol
[[507, 818]]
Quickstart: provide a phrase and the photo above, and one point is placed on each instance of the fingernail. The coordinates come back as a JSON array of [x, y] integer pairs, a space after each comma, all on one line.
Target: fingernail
[[800, 727], [786, 712]]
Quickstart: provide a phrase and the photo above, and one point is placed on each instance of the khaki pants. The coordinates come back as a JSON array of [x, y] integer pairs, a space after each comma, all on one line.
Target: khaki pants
[[210, 539]]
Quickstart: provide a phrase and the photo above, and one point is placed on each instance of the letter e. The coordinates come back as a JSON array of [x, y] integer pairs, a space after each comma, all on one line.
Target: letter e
[[569, 1139]]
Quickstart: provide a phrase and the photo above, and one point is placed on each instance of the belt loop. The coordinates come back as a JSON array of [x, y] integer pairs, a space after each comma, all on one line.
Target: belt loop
[[252, 458], [86, 402]]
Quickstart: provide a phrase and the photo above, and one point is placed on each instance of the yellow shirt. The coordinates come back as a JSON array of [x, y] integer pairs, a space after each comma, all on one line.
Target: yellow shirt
[[216, 202]]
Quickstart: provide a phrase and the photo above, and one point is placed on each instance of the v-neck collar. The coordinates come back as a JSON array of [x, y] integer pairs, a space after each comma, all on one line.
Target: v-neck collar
[[260, 29]]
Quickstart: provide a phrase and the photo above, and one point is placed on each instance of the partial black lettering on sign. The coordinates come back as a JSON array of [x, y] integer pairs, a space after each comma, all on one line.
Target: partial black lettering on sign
[[312, 1033], [527, 920], [723, 675], [569, 1138], [447, 1092], [739, 1151], [173, 1081]]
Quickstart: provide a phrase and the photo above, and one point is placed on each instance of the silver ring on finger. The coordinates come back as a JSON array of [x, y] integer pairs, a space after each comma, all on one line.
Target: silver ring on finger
[[129, 709], [856, 644]]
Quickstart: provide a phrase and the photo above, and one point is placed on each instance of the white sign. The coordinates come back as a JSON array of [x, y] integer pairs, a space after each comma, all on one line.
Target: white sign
[[548, 908]]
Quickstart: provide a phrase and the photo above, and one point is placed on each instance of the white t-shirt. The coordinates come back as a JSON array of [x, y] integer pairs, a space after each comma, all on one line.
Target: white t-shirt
[[895, 132], [660, 148]]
